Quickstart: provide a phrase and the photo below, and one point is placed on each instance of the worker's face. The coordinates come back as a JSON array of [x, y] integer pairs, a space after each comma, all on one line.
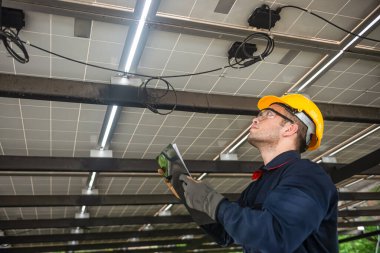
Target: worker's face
[[266, 127]]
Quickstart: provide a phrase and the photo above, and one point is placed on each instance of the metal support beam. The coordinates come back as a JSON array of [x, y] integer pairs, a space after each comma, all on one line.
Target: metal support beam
[[360, 212], [172, 23], [356, 167], [92, 200], [159, 243], [92, 222], [140, 199], [358, 223], [75, 164], [359, 196], [357, 237], [97, 93], [98, 236]]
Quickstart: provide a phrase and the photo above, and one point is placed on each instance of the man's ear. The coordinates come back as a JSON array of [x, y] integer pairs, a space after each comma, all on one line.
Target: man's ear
[[290, 129]]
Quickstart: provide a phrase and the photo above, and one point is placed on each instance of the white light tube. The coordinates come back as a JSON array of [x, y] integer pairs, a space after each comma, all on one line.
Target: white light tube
[[352, 183], [108, 128], [136, 39], [83, 209], [339, 54], [202, 176], [238, 144], [91, 180], [168, 207], [354, 141]]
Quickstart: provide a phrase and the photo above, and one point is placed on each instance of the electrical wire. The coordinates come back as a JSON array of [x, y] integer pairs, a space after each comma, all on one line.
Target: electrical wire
[[10, 37], [327, 21], [248, 58], [151, 98]]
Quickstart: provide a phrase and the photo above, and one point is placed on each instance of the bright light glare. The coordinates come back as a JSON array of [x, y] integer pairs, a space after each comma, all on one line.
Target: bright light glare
[[136, 39], [238, 144], [92, 180], [109, 125]]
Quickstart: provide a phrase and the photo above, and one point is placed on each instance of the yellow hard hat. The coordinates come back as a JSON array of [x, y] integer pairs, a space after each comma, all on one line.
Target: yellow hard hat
[[302, 105]]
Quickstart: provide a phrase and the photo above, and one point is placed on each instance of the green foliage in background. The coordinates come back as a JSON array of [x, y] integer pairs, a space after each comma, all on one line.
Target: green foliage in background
[[365, 245]]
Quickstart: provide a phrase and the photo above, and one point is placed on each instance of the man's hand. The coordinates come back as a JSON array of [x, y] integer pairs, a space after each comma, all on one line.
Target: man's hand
[[200, 196], [161, 172]]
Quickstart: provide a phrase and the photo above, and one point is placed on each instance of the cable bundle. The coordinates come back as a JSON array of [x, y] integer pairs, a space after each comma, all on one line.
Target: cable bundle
[[251, 59]]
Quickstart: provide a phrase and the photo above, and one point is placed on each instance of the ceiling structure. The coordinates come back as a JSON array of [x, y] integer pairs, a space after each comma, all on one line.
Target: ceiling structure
[[54, 112]]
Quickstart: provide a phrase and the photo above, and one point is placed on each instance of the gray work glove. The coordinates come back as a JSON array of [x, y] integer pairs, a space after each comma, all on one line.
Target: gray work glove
[[200, 196]]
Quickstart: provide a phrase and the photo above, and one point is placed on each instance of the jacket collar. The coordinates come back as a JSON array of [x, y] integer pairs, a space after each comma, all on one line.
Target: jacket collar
[[281, 160]]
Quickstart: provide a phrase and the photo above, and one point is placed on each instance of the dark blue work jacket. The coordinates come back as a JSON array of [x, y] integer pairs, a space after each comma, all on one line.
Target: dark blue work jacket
[[291, 208]]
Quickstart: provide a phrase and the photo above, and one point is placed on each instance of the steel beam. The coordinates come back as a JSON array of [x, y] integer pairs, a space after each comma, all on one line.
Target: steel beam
[[113, 221], [359, 212], [97, 93], [355, 224], [356, 167], [92, 200], [75, 164], [139, 199], [159, 243], [98, 236], [359, 195], [93, 222], [357, 237], [173, 23]]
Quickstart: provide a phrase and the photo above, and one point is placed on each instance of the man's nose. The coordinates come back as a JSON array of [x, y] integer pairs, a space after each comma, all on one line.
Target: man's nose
[[255, 120]]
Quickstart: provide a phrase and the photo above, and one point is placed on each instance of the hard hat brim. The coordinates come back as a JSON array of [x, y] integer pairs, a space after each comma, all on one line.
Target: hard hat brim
[[266, 101]]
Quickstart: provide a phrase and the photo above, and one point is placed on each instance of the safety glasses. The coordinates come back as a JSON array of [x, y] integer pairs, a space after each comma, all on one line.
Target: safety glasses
[[269, 113]]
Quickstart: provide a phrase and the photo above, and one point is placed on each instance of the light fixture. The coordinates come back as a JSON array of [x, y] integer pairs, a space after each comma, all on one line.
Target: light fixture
[[137, 36], [352, 140], [108, 128], [313, 77], [92, 180], [238, 144], [128, 64]]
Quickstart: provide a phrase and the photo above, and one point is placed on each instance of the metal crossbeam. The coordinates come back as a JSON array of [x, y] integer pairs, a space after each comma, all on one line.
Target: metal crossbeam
[[139, 199], [98, 236], [97, 93], [93, 222], [74, 164], [170, 23], [358, 223], [174, 244], [356, 167]]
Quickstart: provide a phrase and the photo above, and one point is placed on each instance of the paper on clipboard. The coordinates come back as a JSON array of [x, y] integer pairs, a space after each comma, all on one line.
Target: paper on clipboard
[[170, 156]]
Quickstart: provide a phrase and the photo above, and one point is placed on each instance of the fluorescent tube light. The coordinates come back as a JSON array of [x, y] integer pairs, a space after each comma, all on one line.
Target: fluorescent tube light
[[339, 53], [92, 180], [354, 141], [108, 128], [202, 176], [136, 39], [238, 144]]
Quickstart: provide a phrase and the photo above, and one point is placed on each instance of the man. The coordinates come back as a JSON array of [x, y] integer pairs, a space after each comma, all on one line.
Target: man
[[291, 206]]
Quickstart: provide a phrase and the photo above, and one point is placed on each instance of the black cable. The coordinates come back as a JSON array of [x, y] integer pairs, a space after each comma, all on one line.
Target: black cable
[[151, 99], [327, 21], [252, 59], [8, 37]]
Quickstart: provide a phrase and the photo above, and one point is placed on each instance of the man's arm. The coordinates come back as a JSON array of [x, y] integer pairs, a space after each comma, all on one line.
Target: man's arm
[[290, 213]]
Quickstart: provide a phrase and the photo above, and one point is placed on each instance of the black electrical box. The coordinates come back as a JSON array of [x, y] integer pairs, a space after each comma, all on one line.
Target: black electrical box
[[237, 51], [263, 17], [12, 18]]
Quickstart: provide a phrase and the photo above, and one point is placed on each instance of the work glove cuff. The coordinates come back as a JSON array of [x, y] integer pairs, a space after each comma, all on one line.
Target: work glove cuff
[[213, 200]]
